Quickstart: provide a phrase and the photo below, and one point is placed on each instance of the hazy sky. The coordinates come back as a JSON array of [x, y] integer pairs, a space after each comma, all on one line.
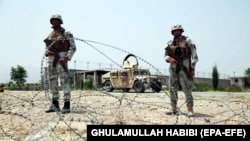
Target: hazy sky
[[219, 28]]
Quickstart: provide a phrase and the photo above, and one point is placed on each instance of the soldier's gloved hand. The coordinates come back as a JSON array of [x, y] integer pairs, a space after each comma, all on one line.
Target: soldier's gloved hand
[[63, 61], [193, 65], [191, 73], [171, 60], [49, 53]]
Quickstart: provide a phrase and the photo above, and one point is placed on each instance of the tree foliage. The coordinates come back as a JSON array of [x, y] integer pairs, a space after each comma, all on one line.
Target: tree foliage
[[247, 74], [215, 77], [18, 75]]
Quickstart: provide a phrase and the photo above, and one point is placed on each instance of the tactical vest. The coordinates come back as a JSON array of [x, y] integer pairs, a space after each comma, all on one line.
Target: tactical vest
[[57, 40], [178, 48]]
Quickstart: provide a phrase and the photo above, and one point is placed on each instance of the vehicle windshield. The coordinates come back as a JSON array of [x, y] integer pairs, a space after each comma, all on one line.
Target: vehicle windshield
[[141, 72], [144, 73], [136, 72]]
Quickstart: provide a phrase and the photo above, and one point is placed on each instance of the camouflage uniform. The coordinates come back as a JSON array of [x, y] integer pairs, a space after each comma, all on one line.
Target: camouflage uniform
[[184, 51], [62, 44]]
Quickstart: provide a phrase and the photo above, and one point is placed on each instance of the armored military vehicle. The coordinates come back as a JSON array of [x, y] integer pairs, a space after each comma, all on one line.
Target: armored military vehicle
[[130, 77]]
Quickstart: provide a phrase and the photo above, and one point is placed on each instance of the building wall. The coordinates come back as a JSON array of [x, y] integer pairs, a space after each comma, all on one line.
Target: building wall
[[238, 81], [222, 82]]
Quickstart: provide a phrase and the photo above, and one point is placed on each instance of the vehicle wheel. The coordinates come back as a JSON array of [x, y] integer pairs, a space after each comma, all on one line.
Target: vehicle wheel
[[139, 87], [156, 86], [108, 86]]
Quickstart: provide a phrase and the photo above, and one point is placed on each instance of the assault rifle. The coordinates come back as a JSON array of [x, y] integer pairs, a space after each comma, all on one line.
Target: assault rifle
[[57, 56], [179, 59]]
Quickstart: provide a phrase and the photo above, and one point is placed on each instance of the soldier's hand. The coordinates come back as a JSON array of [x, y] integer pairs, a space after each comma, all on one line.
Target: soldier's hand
[[63, 61], [171, 60], [49, 53], [193, 65], [192, 73]]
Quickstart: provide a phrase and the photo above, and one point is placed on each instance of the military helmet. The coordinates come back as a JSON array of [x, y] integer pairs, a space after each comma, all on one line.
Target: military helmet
[[176, 27], [56, 16]]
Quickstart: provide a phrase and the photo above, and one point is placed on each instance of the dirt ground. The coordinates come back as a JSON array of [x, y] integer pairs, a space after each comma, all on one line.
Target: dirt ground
[[22, 115]]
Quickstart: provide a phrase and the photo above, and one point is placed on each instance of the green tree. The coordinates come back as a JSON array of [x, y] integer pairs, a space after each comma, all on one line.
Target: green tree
[[215, 77], [247, 74], [18, 75]]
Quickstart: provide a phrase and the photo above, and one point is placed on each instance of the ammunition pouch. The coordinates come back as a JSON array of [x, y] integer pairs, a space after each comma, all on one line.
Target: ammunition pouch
[[58, 44], [62, 45]]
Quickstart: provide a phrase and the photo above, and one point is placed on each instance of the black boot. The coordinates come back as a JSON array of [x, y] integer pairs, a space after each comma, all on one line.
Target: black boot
[[54, 107], [66, 107]]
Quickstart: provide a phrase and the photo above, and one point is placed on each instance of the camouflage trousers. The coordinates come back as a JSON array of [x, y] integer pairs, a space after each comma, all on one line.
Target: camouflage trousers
[[58, 79], [180, 79]]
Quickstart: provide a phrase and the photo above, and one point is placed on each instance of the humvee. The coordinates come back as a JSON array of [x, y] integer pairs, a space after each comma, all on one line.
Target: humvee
[[130, 77]]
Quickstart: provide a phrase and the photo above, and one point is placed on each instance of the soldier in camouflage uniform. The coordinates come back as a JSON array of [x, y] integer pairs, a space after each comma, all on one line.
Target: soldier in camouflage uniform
[[60, 48], [182, 56]]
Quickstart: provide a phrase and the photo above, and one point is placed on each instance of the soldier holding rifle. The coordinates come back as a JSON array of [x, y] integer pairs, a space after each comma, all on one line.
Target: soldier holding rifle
[[60, 48], [182, 56]]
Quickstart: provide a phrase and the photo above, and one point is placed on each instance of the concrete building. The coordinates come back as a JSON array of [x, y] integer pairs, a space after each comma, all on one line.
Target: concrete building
[[78, 77]]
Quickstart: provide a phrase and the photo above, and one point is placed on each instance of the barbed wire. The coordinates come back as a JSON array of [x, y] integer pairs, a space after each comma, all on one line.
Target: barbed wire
[[23, 114], [143, 60]]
